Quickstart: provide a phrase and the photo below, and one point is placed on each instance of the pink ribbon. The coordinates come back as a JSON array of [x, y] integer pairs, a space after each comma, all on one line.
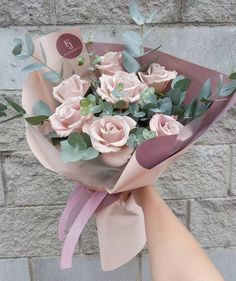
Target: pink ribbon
[[80, 207]]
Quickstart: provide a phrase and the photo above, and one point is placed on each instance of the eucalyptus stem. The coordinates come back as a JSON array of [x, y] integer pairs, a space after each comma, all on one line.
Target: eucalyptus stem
[[42, 63]]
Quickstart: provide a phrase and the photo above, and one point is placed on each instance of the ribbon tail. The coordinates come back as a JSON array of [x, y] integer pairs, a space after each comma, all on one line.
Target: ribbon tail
[[121, 232], [74, 205], [72, 237]]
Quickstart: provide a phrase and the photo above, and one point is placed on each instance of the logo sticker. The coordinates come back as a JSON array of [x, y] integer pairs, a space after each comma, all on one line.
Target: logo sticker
[[69, 46]]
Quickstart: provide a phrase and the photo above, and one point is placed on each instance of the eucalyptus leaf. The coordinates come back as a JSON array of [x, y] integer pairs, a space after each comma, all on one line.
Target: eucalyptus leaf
[[227, 89], [41, 108], [119, 104], [174, 81], [205, 91], [191, 109], [15, 106], [33, 67], [29, 43], [133, 43], [51, 77], [182, 84], [36, 120], [68, 153], [77, 142], [165, 105], [90, 154], [130, 64], [135, 13], [139, 114], [43, 53], [17, 49], [232, 76]]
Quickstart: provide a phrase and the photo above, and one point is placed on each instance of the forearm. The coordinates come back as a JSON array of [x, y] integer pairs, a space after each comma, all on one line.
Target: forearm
[[175, 254]]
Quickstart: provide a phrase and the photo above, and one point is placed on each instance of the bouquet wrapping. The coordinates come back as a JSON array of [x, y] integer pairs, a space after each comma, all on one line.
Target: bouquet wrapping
[[103, 189]]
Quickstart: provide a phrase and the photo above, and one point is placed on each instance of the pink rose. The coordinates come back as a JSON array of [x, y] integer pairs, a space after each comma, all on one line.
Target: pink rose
[[165, 125], [109, 135], [111, 63], [131, 87], [157, 77], [71, 87], [67, 117]]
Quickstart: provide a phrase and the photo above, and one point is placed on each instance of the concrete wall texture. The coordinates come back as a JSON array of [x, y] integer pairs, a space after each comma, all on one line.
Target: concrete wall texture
[[200, 187]]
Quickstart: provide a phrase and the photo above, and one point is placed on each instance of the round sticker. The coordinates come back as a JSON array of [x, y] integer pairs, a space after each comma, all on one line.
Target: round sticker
[[69, 46]]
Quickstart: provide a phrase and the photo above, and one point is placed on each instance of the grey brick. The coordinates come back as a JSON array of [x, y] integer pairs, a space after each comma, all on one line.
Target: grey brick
[[25, 12], [213, 222], [13, 132], [233, 178], [29, 231], [89, 238], [223, 131], [85, 268], [29, 183], [201, 172], [146, 270], [209, 11], [224, 260], [113, 11], [14, 269]]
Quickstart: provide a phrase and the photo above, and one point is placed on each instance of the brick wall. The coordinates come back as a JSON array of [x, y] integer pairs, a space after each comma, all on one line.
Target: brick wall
[[200, 187]]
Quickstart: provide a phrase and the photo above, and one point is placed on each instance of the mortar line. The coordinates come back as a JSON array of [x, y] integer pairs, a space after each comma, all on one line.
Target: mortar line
[[188, 212]]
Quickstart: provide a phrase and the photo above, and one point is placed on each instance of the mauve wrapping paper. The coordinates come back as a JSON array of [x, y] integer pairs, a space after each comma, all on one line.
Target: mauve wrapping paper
[[120, 224]]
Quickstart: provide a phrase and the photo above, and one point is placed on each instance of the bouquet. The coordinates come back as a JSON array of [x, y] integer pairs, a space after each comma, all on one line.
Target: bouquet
[[112, 117]]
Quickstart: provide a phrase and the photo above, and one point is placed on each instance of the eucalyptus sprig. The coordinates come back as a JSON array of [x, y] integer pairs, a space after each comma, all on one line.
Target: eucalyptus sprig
[[22, 53], [133, 41]]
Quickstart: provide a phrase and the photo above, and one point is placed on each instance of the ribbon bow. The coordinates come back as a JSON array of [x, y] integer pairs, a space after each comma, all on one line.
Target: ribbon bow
[[120, 223]]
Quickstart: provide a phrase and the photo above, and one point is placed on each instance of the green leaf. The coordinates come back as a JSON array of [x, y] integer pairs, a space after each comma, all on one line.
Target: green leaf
[[232, 76], [182, 84], [51, 77], [165, 105], [205, 91], [90, 154], [18, 115], [3, 107], [43, 53], [107, 108], [15, 106], [36, 120], [17, 49], [77, 142], [129, 63], [191, 109], [33, 67], [119, 104], [133, 43], [227, 89], [68, 153], [176, 96], [174, 81], [132, 141], [139, 114], [135, 13], [150, 19], [41, 108], [29, 43]]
